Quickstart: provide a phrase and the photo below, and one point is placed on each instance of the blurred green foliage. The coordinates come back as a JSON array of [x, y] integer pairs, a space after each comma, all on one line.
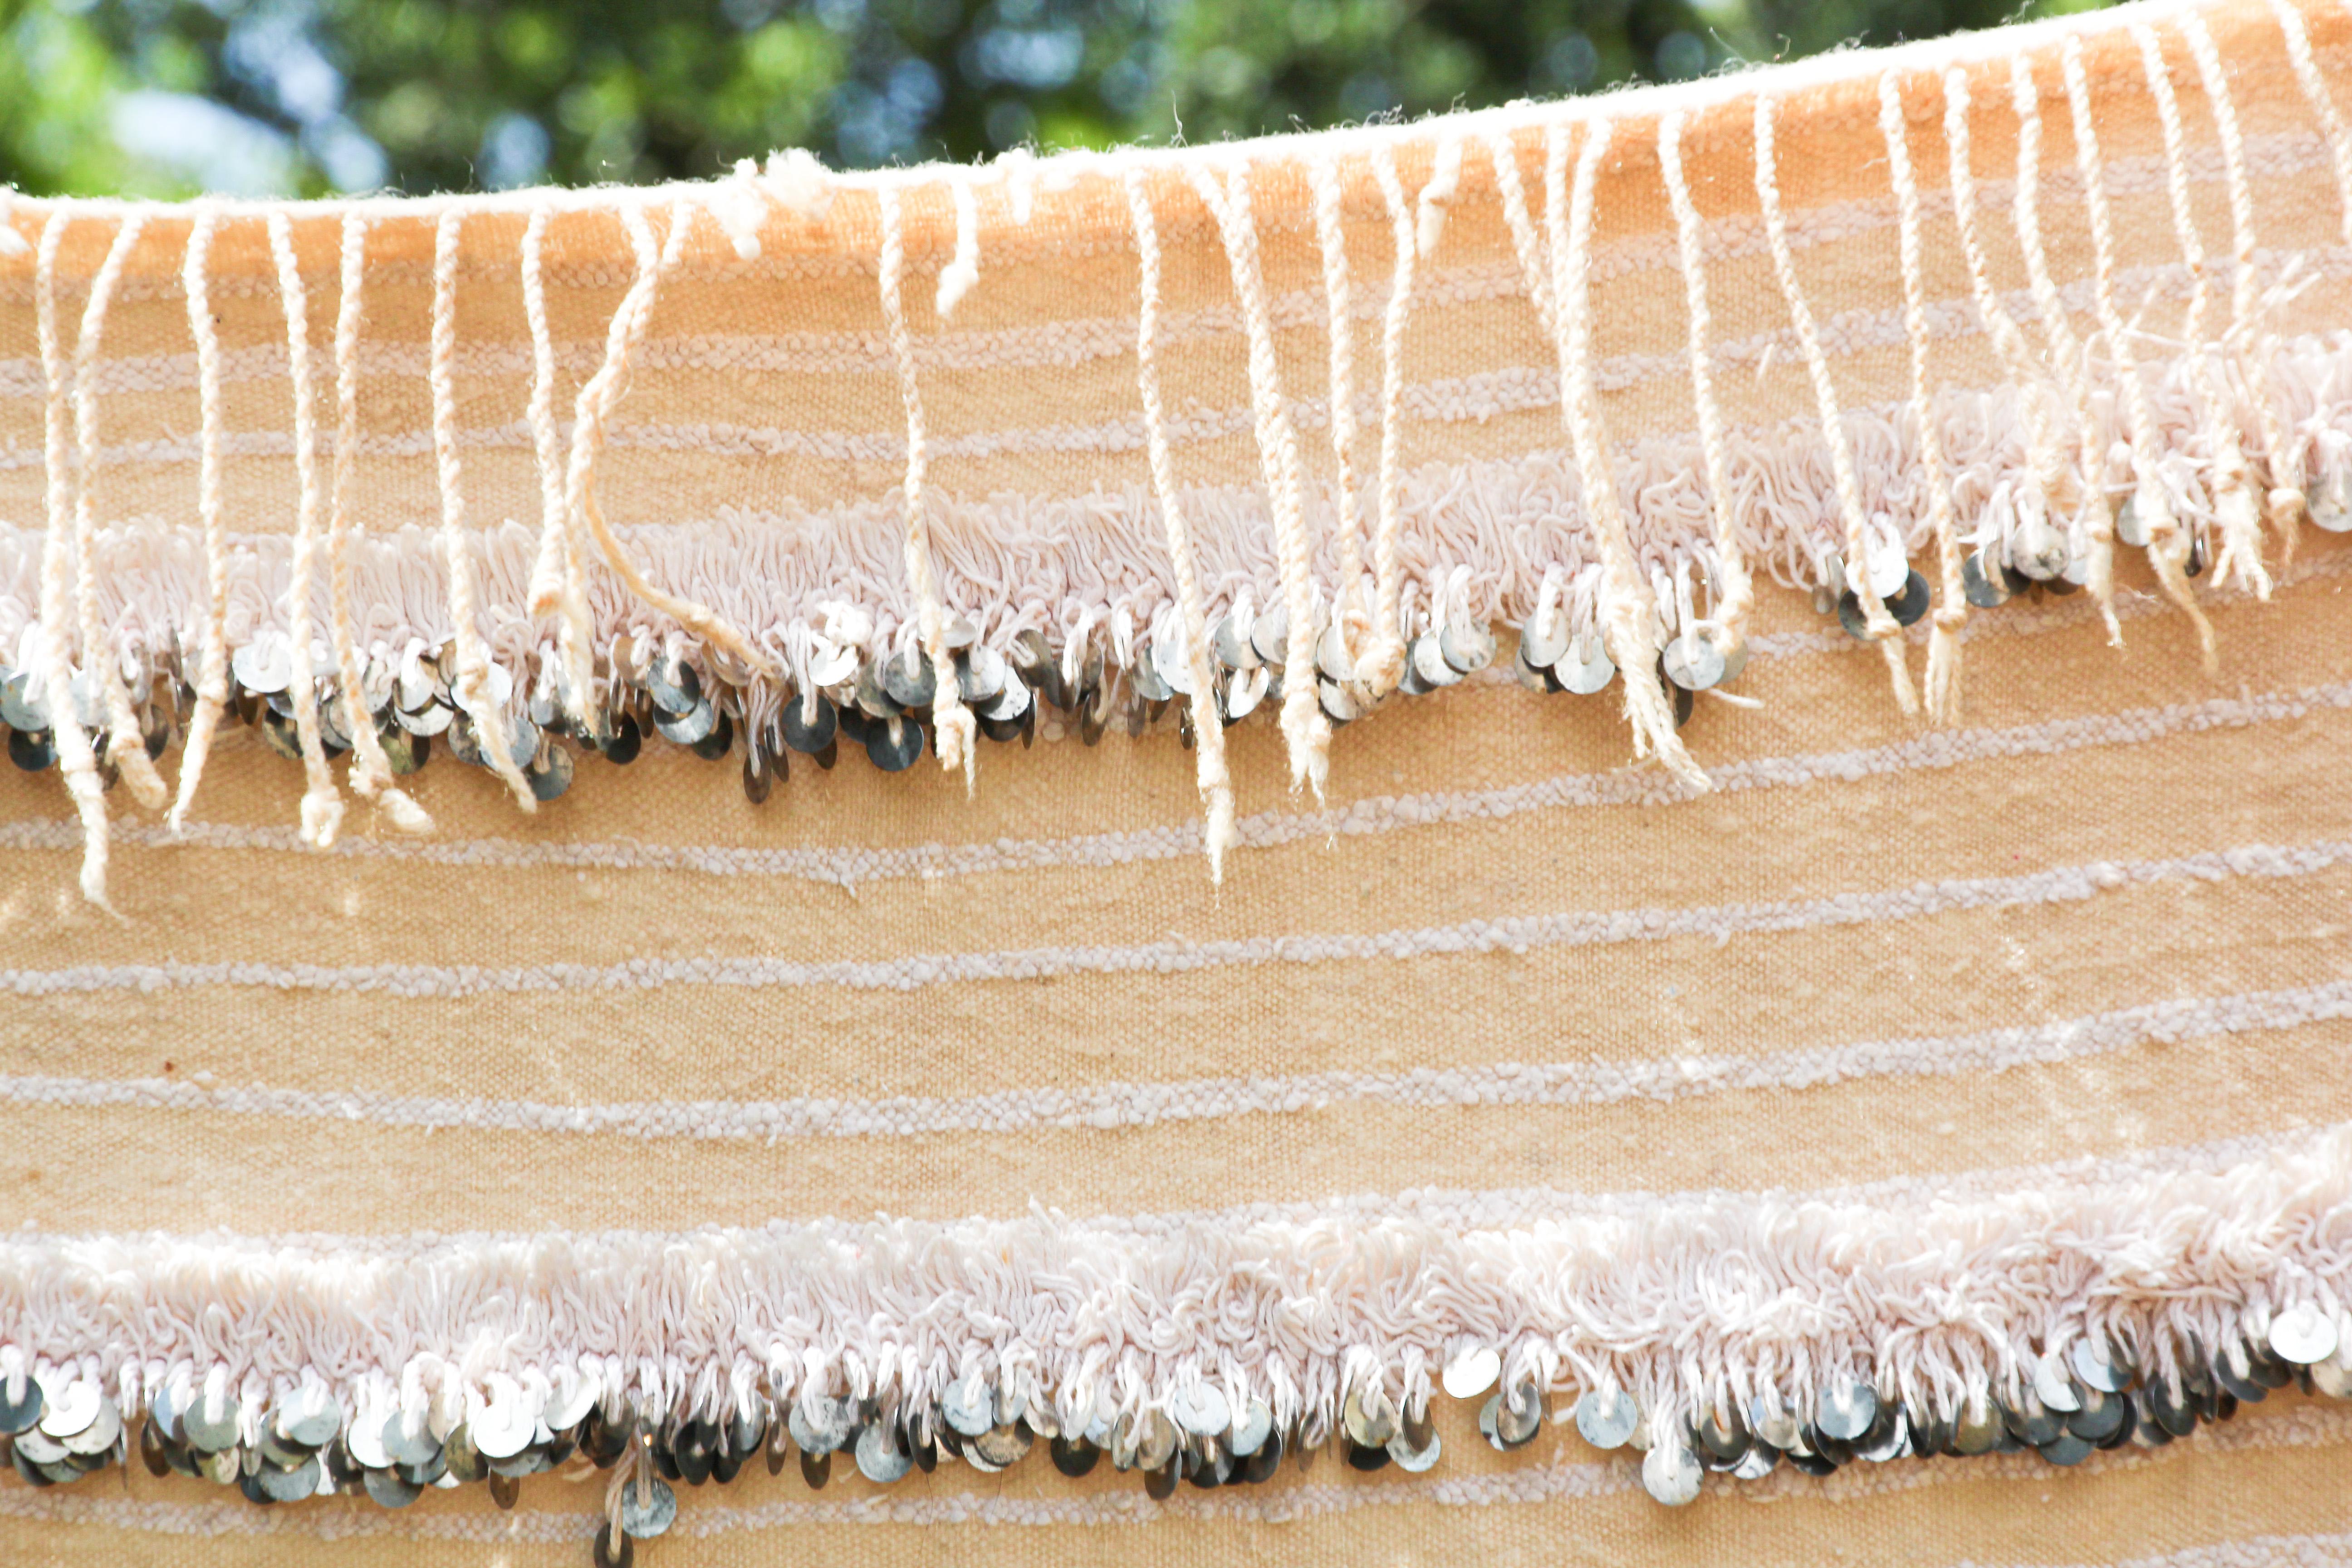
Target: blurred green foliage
[[173, 96]]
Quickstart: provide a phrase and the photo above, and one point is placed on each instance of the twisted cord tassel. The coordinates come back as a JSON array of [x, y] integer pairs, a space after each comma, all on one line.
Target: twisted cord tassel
[[1208, 725], [1880, 627], [212, 675], [1943, 692], [322, 803], [590, 415], [2169, 544], [958, 733], [1304, 724], [2072, 355], [2045, 448], [1346, 532], [2285, 502], [1736, 599], [370, 770], [472, 687], [74, 754], [1383, 663], [1631, 616], [126, 747], [2233, 502]]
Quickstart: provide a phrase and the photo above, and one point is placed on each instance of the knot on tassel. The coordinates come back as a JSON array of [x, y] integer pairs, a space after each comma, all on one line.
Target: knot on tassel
[[1951, 617], [1220, 833], [958, 733], [1306, 731], [2286, 504], [1383, 664], [1944, 666], [322, 817], [408, 817]]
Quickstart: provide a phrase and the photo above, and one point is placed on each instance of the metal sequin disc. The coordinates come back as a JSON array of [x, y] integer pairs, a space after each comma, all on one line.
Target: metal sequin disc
[[1847, 1410], [894, 745], [685, 728], [1986, 593], [881, 1457], [1770, 1423], [1672, 1473], [2305, 1335], [1607, 1420], [969, 1406], [804, 730], [1412, 1459], [647, 1507], [1473, 1370], [1692, 663], [18, 1415], [1587, 669], [549, 774], [207, 1429], [1251, 1429], [909, 679], [1201, 1409], [2097, 1370]]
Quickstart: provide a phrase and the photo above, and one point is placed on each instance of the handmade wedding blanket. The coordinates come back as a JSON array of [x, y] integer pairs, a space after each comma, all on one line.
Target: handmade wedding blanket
[[1379, 844]]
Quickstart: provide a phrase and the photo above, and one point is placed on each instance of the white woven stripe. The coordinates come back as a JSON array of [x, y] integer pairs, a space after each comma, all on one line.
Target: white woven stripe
[[1103, 1107], [1473, 399], [2281, 157], [1372, 816], [2058, 885]]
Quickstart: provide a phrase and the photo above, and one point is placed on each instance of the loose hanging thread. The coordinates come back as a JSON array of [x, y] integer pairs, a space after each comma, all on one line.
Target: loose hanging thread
[[555, 571], [212, 671], [1878, 624], [2308, 77], [2284, 503], [951, 720], [126, 746], [2036, 394], [74, 754], [1735, 588], [1630, 616], [2233, 502], [1330, 238], [2168, 546], [2070, 354], [592, 413], [371, 769], [1305, 727], [472, 686], [1208, 724], [322, 803], [1383, 663], [1943, 692]]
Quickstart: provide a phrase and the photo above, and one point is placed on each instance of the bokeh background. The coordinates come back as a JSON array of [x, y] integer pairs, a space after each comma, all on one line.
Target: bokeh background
[[254, 97]]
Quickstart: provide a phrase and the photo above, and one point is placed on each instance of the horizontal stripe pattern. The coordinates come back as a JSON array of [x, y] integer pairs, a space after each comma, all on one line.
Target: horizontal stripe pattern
[[1104, 1107], [1720, 922], [1476, 398], [848, 866]]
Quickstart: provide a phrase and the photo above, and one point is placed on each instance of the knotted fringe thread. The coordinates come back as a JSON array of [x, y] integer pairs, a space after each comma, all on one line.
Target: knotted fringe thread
[[1344, 622], [1730, 1320]]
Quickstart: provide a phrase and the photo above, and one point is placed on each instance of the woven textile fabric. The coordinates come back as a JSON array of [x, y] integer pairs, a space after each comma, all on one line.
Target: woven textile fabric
[[1155, 958]]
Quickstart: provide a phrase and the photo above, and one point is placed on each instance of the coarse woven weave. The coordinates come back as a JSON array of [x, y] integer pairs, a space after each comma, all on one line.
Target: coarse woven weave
[[1219, 986]]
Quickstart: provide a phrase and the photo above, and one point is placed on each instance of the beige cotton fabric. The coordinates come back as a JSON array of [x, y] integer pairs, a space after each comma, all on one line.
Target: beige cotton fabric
[[1903, 1046]]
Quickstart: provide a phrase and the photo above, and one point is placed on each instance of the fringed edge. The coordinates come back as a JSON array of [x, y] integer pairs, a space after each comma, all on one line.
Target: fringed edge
[[2063, 1317]]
